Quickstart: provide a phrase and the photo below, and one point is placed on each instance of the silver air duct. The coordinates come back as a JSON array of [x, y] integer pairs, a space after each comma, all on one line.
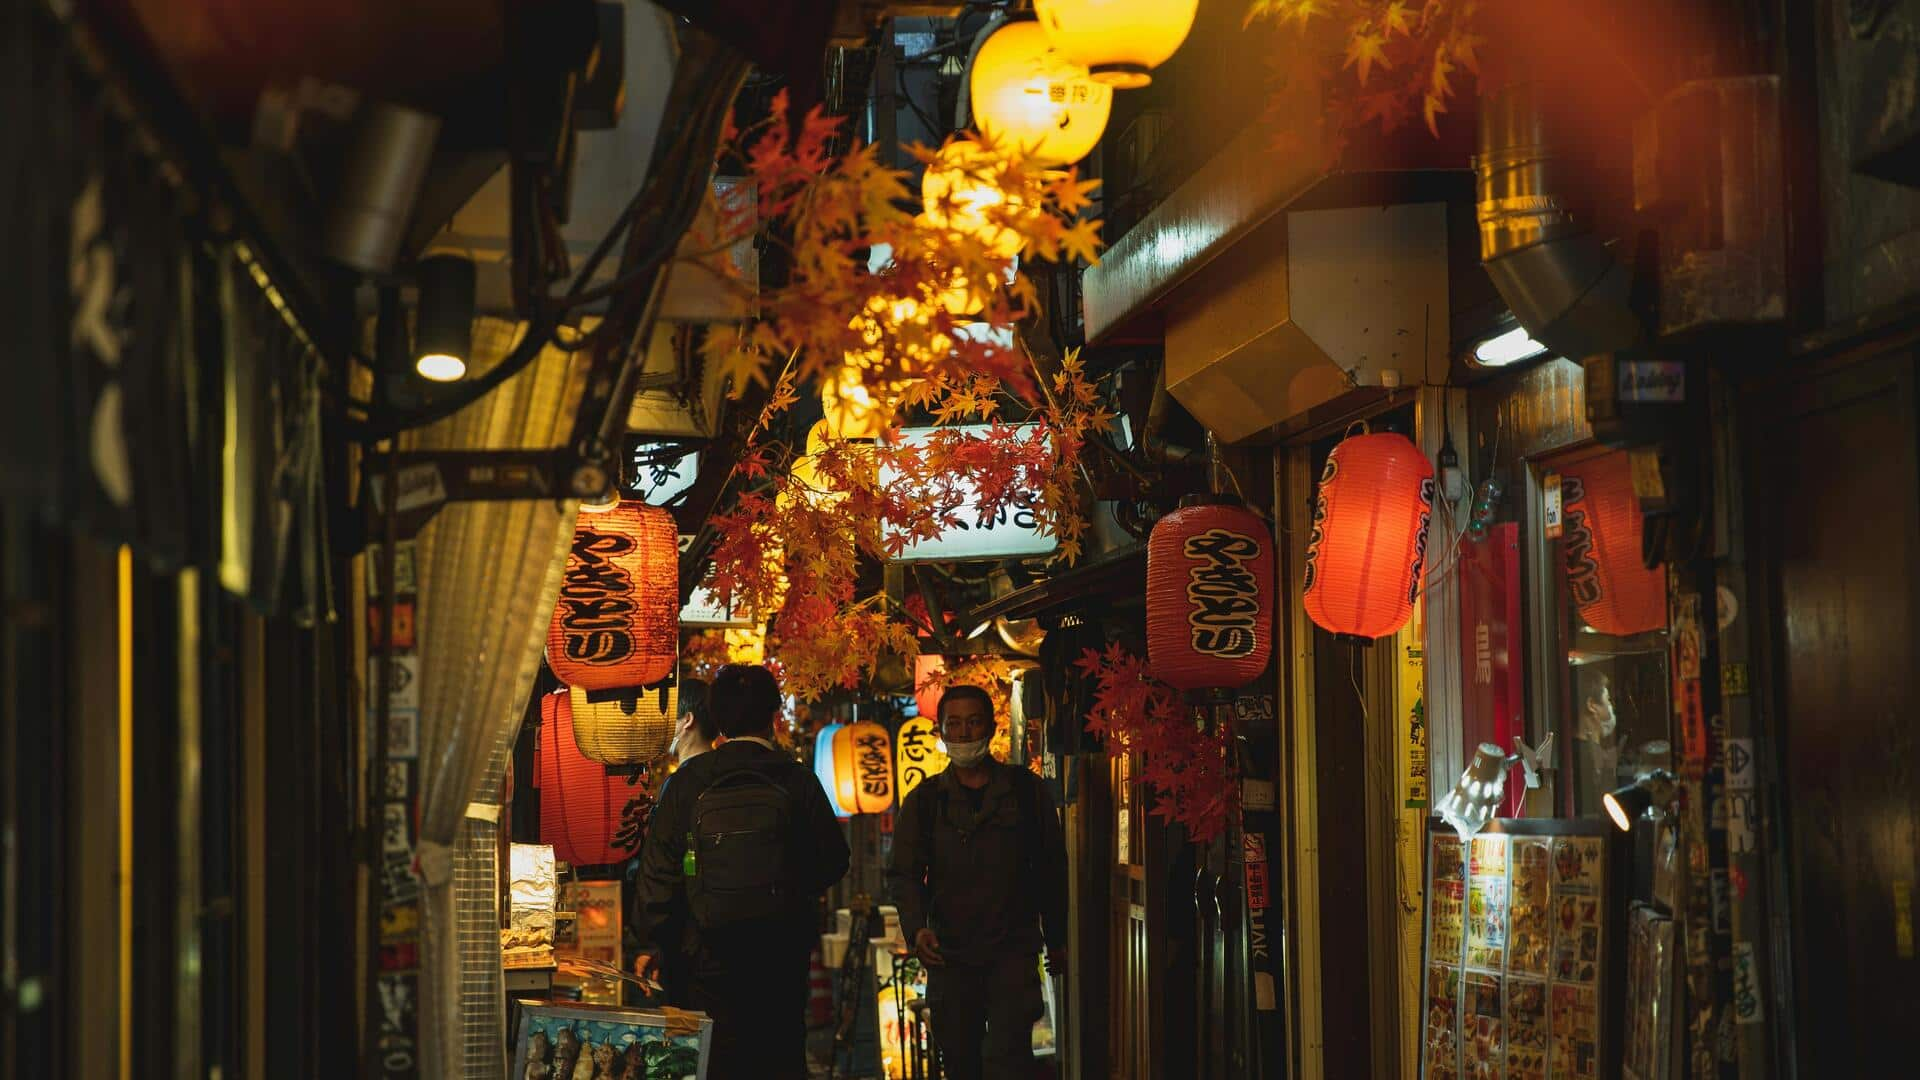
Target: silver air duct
[[1562, 283]]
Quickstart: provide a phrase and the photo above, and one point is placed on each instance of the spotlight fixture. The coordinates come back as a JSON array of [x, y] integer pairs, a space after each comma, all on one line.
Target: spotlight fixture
[[443, 324], [1625, 805], [1507, 348]]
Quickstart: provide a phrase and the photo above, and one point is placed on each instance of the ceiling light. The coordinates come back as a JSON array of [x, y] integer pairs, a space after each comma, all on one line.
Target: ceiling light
[[443, 324], [1508, 347]]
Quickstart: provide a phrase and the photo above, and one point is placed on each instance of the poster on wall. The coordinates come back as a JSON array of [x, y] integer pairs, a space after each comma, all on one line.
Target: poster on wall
[[1515, 938]]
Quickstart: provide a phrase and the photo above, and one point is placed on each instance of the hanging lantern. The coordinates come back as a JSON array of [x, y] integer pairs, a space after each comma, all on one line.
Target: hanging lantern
[[1611, 586], [590, 816], [825, 768], [1209, 596], [625, 727], [960, 194], [1369, 538], [617, 624], [848, 407], [1119, 41], [919, 753], [863, 768], [1026, 95], [746, 644], [929, 670]]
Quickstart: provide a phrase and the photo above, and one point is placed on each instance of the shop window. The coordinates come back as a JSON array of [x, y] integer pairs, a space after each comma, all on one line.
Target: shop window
[[1606, 640]]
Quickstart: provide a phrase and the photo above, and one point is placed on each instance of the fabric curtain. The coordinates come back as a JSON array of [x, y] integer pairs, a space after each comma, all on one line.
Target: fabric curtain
[[488, 576]]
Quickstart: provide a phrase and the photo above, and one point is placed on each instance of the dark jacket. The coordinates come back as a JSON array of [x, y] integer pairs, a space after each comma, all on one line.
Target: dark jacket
[[989, 882], [661, 917]]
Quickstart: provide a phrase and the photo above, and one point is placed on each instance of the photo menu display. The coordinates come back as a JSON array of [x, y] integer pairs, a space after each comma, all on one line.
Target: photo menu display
[[1515, 929]]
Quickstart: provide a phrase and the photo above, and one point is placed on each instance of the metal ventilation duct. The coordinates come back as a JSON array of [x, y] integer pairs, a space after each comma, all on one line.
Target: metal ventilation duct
[[1562, 283], [1307, 307]]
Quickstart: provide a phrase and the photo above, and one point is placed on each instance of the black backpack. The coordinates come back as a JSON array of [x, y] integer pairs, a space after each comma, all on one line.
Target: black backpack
[[739, 861]]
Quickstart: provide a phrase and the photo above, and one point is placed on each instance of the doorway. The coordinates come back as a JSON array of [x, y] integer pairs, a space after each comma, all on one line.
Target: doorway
[[1840, 490]]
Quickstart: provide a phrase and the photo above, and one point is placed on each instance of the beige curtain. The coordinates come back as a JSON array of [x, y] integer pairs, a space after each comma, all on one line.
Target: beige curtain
[[488, 575]]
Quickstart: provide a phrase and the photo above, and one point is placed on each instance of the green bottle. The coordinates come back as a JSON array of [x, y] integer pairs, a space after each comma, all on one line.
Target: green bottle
[[687, 860]]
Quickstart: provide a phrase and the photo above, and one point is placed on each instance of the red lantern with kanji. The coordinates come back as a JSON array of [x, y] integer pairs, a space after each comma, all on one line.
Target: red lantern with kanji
[[590, 816], [1209, 596], [1611, 585], [1369, 539], [617, 623]]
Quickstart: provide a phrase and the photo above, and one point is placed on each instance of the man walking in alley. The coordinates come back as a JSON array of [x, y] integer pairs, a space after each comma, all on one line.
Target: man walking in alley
[[979, 873], [738, 851]]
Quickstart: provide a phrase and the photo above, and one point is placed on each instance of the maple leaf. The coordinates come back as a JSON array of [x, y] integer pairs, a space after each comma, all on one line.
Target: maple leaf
[[1394, 19], [1365, 50], [1082, 241], [1433, 106]]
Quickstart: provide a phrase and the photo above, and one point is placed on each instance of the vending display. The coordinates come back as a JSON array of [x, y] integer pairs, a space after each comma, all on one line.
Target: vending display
[[1515, 953]]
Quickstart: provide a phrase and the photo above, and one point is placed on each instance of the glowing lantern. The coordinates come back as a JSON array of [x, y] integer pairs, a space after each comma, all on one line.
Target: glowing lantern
[[1610, 584], [849, 407], [1369, 536], [824, 767], [617, 625], [960, 194], [855, 764], [746, 645], [1209, 597], [1027, 95], [918, 753], [591, 817], [1120, 41], [928, 669], [624, 727]]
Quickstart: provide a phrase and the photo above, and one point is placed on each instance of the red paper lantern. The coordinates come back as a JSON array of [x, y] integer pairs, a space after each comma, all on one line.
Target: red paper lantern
[[929, 682], [1610, 584], [1369, 536], [591, 817], [1209, 596], [617, 624]]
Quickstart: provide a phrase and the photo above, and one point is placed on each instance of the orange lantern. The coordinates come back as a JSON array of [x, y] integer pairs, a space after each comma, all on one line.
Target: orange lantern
[[617, 624], [1611, 585], [1369, 537], [591, 817], [1209, 596], [855, 764], [625, 727]]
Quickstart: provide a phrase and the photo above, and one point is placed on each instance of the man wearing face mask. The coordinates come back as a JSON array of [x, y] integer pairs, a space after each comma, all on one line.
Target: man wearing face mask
[[979, 873]]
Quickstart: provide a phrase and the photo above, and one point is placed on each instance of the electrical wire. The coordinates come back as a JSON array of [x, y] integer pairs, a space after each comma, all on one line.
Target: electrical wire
[[676, 174]]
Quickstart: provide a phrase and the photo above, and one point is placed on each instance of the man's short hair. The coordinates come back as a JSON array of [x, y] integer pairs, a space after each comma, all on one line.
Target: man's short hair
[[962, 693], [693, 699], [743, 700]]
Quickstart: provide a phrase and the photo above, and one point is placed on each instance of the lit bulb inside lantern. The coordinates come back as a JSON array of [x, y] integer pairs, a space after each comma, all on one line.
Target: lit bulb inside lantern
[[1026, 95], [959, 191]]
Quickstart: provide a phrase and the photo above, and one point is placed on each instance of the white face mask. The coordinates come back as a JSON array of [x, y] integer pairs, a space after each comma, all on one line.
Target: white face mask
[[969, 754]]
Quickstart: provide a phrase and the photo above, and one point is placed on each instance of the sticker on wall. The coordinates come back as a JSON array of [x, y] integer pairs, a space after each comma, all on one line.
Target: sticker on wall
[[403, 733], [1550, 494], [406, 579], [1746, 983], [404, 690]]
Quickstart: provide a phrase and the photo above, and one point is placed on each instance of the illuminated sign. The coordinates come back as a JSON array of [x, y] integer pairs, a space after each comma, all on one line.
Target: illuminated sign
[[1012, 532]]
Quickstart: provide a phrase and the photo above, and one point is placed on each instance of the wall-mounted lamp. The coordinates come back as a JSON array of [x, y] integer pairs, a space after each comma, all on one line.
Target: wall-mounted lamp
[[1473, 801], [1625, 805], [443, 324]]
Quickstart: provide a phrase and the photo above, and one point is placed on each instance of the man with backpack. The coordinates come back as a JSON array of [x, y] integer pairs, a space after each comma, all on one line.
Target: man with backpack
[[739, 849], [979, 873]]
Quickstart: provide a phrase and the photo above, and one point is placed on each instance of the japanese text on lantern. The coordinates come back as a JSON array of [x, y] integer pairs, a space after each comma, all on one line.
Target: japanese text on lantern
[[1223, 599], [876, 772], [595, 603]]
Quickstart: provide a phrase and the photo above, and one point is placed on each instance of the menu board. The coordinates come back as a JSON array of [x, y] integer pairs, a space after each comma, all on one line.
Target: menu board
[[1515, 936]]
